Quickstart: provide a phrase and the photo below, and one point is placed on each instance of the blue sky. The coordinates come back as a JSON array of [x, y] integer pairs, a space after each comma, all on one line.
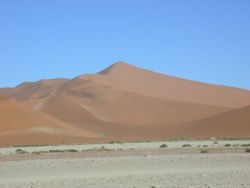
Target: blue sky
[[206, 40]]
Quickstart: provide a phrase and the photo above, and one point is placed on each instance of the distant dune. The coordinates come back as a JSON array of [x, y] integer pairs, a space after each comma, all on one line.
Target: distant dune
[[127, 77], [235, 123], [122, 102], [20, 125]]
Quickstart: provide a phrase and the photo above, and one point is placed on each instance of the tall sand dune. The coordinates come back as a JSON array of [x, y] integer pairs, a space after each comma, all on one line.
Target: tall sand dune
[[20, 125], [122, 102], [235, 123]]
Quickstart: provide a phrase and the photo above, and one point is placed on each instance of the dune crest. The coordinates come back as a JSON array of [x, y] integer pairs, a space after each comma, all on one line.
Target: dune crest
[[121, 102]]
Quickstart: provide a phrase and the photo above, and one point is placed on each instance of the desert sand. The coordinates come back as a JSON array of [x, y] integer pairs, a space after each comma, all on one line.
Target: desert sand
[[124, 103], [236, 123], [147, 165]]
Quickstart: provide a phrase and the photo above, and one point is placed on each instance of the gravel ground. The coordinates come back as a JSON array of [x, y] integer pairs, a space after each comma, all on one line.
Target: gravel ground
[[229, 170]]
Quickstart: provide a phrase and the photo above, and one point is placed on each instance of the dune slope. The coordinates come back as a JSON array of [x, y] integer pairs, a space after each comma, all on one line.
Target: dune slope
[[20, 125], [235, 123], [122, 102], [127, 77]]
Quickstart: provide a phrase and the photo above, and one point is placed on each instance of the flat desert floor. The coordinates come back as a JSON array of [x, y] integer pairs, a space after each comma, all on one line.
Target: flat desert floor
[[141, 165]]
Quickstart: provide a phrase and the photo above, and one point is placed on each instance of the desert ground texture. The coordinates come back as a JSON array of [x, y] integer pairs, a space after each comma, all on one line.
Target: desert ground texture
[[180, 164]]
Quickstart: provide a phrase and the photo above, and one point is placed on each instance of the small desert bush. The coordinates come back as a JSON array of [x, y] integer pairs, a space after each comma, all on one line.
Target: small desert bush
[[186, 145], [115, 142], [70, 150], [62, 151], [20, 151], [204, 151], [163, 146], [104, 149], [205, 146], [216, 142], [56, 151], [39, 152], [227, 145], [247, 150], [245, 145], [36, 152], [16, 146]]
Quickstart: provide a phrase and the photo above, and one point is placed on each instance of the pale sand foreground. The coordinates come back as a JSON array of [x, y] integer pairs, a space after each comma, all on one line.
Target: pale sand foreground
[[153, 167], [177, 170], [128, 165]]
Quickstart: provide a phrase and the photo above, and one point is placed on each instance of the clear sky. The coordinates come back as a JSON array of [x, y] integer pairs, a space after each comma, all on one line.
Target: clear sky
[[204, 40]]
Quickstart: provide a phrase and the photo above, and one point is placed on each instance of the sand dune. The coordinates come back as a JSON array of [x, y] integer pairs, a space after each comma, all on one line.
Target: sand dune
[[235, 123], [127, 77], [22, 125], [107, 104], [121, 102], [40, 89]]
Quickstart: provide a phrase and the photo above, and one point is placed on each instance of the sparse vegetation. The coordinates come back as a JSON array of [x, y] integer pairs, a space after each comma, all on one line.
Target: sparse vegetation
[[203, 151], [245, 145], [62, 151], [16, 146], [115, 142], [56, 151], [179, 139], [186, 145], [36, 152], [142, 141], [104, 149], [20, 151], [39, 152], [227, 145], [163, 146], [247, 150], [99, 149], [70, 150], [233, 139]]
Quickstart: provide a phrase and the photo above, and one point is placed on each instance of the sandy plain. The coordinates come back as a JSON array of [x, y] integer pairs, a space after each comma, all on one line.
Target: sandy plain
[[129, 165]]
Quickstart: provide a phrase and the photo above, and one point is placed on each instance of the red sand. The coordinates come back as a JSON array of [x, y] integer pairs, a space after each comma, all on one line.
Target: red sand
[[122, 102]]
